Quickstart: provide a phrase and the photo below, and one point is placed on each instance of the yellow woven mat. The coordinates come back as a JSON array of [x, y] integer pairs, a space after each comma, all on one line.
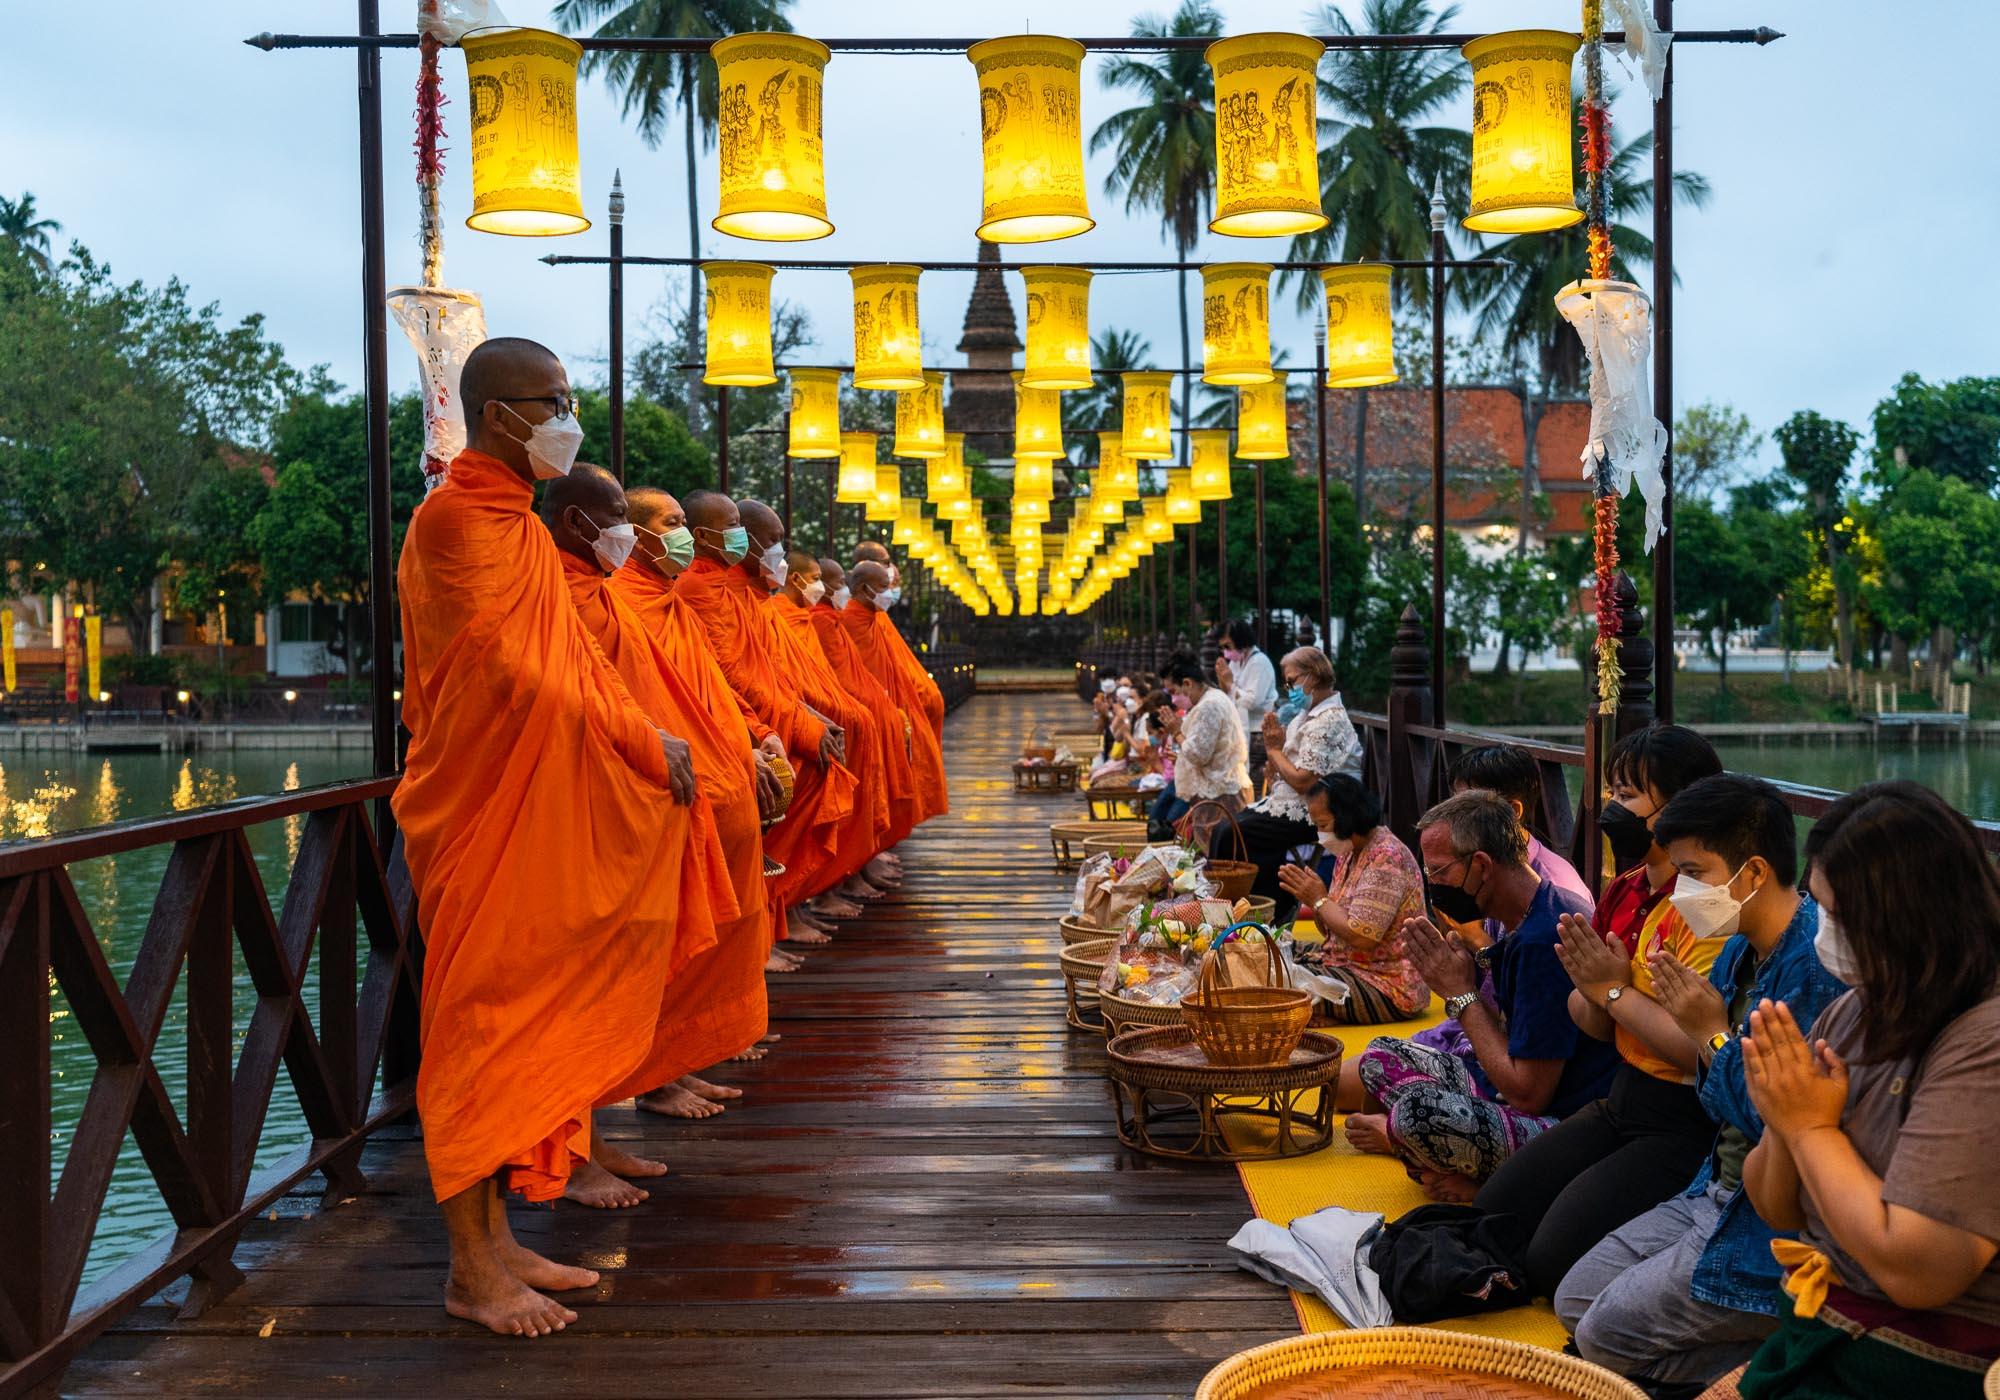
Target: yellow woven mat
[[1281, 1191]]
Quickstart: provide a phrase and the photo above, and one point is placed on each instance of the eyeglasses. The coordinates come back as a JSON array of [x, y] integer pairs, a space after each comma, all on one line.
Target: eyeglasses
[[565, 404], [1436, 876]]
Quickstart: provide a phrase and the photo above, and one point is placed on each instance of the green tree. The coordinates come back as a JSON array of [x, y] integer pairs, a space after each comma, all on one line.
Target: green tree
[[218, 560], [659, 449], [21, 225], [1534, 605], [1940, 577], [1950, 429], [1163, 149], [1712, 443], [1102, 405], [1816, 452], [652, 83]]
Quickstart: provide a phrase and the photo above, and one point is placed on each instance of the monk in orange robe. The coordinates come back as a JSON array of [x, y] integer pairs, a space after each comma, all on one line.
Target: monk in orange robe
[[586, 516], [716, 1008], [730, 605], [790, 611], [859, 683], [894, 645], [865, 620], [526, 752]]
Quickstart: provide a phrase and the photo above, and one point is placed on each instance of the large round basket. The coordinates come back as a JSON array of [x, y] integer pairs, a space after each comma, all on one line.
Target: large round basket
[[1409, 1363], [1232, 879], [1121, 1015], [1993, 1382], [1246, 1027], [1076, 931], [1066, 839], [1082, 965], [1117, 843], [1259, 910]]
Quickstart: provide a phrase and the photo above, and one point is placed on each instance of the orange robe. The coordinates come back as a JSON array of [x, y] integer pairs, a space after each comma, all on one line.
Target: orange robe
[[895, 726], [798, 650], [725, 810], [926, 689], [716, 1007], [544, 845], [807, 841], [865, 627]]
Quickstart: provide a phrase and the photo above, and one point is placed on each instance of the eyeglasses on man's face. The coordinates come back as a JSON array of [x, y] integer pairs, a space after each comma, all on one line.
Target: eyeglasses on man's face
[[565, 405]]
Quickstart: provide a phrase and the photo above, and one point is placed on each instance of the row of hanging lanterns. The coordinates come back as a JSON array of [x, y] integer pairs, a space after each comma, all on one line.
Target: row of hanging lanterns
[[526, 171]]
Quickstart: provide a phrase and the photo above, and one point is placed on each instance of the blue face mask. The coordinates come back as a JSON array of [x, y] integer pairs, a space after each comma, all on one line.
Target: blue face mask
[[735, 542]]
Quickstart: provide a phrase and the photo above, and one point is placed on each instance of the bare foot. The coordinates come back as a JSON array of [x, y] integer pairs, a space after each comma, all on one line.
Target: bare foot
[[714, 1093], [619, 1162], [834, 907], [1369, 1132], [1447, 1186], [808, 937], [505, 1305], [750, 1056], [859, 889], [535, 1271], [592, 1185], [676, 1102], [883, 871], [778, 962]]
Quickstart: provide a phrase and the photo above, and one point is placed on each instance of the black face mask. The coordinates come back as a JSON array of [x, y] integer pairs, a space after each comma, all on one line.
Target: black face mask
[[1454, 902], [1627, 833]]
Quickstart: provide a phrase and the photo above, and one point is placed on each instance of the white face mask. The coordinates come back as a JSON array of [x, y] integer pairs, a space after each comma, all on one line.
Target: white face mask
[[613, 545], [1107, 687], [775, 566], [1711, 911], [813, 592], [1328, 841], [840, 596], [552, 446], [1834, 954], [886, 599]]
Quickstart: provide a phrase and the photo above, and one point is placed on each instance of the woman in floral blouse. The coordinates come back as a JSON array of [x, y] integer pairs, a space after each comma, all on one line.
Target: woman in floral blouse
[[1365, 886]]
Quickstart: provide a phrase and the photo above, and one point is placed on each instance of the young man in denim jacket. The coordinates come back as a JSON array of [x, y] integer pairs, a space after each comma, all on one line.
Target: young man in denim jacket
[[1687, 1291]]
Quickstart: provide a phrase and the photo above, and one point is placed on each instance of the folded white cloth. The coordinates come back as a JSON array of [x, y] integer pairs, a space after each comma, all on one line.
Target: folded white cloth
[[1319, 1254]]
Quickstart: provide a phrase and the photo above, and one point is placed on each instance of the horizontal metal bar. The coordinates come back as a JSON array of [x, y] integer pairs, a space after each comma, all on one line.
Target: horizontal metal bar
[[1118, 44], [968, 369], [849, 264]]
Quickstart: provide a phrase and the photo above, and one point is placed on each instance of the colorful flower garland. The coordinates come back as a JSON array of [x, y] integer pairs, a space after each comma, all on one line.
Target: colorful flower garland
[[430, 161], [1597, 226]]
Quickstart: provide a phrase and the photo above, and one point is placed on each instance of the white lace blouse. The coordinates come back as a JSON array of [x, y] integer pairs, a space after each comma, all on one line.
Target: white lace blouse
[[1321, 741]]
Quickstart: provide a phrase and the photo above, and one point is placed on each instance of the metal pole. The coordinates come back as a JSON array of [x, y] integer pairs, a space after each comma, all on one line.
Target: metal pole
[[1173, 626], [1437, 454], [1663, 373], [1222, 563], [1319, 427], [617, 337], [375, 376], [788, 475], [722, 438], [1263, 603], [832, 471], [1194, 623]]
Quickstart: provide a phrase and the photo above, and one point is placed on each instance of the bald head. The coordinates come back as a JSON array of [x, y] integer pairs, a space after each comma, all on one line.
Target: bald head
[[802, 582], [655, 513], [508, 387], [867, 578], [584, 509], [712, 516], [834, 576], [872, 551]]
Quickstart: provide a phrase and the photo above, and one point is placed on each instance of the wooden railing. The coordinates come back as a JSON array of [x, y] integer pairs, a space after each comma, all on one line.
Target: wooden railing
[[343, 903], [955, 670]]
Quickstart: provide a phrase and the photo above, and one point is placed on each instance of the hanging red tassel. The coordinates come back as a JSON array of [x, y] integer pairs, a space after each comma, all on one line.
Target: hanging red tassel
[[430, 160]]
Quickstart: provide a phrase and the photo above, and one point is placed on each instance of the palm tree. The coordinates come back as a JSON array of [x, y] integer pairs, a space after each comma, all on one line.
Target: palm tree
[[653, 82], [33, 236], [1164, 148], [1112, 351]]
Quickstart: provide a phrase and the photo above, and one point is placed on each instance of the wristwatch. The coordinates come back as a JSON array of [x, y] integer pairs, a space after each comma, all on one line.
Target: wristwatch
[[1717, 1041], [1455, 1007], [1613, 995]]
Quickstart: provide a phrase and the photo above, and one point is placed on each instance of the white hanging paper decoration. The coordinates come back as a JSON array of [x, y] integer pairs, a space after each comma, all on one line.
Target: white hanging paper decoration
[[443, 327], [448, 21], [1615, 322], [1644, 43]]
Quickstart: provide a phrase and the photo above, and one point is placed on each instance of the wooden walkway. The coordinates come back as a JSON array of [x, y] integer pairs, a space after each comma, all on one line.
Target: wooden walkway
[[921, 1194]]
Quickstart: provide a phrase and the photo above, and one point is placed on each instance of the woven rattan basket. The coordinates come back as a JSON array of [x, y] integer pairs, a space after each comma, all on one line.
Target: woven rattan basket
[[1075, 931], [1993, 1382], [1409, 1363], [1122, 1015], [1231, 878], [1117, 843], [1246, 1027]]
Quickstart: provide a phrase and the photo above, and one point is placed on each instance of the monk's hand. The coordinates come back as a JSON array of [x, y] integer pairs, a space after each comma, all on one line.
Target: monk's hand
[[680, 768], [770, 788], [772, 746], [833, 745]]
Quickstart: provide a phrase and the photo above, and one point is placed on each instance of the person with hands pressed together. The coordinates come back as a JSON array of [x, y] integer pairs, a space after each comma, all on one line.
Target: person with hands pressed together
[[1453, 1124], [1880, 1140]]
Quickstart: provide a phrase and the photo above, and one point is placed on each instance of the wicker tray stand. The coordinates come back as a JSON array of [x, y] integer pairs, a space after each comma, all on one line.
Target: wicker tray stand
[[1119, 804], [1170, 1102], [1045, 777], [1066, 839], [1082, 965], [1395, 1363]]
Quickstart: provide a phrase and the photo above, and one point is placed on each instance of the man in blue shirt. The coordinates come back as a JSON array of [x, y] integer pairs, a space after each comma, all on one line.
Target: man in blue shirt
[[1685, 1292], [1451, 1122]]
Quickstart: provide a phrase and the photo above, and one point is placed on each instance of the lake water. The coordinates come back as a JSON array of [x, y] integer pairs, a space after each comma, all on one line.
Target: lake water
[[44, 793]]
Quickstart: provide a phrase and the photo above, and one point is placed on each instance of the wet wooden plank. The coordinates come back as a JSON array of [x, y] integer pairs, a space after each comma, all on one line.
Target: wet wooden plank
[[920, 1194]]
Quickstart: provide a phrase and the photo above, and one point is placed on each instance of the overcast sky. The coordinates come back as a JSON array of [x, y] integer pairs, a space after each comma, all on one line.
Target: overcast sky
[[1851, 237]]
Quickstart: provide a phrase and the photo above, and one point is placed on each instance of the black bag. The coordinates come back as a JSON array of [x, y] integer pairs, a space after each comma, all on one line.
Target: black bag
[[1450, 1261]]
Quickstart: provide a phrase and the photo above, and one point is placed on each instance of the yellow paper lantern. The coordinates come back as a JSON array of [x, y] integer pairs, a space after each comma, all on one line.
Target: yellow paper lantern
[[888, 349], [773, 166], [1035, 476], [738, 307], [1523, 179], [1208, 464], [1117, 474], [1029, 509], [956, 508], [856, 483], [945, 477], [1058, 353], [1182, 506], [886, 499], [1153, 523], [1037, 421], [1360, 339], [1263, 429], [1031, 138], [1266, 135], [920, 418], [909, 524], [522, 96], [815, 413], [1236, 323], [1147, 434], [1104, 510]]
